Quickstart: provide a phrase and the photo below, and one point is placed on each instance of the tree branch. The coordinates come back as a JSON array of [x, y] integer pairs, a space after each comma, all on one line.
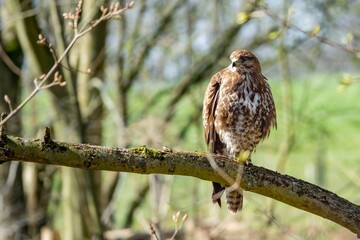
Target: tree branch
[[143, 160]]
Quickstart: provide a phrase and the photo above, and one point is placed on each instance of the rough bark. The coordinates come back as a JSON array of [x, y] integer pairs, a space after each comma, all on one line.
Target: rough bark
[[143, 160]]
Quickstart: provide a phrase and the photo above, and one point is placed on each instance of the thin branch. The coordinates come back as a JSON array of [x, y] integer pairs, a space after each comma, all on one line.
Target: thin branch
[[178, 224], [314, 33], [135, 205], [165, 21], [113, 11], [9, 63], [142, 160]]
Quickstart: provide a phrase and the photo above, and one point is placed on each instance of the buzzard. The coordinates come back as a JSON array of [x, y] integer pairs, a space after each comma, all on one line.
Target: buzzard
[[238, 112]]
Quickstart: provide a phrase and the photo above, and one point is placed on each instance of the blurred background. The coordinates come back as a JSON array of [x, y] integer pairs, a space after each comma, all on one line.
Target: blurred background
[[148, 73]]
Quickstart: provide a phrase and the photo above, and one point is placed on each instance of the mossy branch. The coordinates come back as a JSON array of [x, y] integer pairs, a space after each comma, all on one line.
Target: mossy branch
[[143, 160]]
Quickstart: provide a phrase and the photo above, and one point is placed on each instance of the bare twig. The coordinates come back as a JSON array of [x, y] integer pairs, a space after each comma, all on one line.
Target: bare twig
[[8, 101], [153, 231], [166, 19], [107, 13], [313, 33], [178, 225], [7, 60]]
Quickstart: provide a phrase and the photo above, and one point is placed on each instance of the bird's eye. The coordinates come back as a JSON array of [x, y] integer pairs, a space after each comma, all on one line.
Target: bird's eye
[[245, 58]]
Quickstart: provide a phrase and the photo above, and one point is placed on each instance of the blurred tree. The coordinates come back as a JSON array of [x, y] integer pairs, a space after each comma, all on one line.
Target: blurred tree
[[12, 197]]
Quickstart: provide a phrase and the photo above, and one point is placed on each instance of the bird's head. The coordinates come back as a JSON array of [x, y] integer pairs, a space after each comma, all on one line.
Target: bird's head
[[244, 61]]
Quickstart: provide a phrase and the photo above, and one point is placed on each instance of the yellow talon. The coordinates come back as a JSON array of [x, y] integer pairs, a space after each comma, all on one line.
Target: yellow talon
[[243, 156]]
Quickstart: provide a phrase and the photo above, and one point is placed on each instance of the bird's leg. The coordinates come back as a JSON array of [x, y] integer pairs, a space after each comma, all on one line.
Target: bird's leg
[[244, 159]]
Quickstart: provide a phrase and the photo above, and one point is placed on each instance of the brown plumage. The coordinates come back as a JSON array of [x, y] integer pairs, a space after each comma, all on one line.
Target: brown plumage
[[238, 112]]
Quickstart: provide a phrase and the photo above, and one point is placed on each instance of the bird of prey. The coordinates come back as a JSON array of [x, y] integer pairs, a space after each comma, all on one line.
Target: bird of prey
[[238, 112]]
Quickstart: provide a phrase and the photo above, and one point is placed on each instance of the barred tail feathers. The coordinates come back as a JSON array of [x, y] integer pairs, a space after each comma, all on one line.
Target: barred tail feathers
[[234, 200]]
